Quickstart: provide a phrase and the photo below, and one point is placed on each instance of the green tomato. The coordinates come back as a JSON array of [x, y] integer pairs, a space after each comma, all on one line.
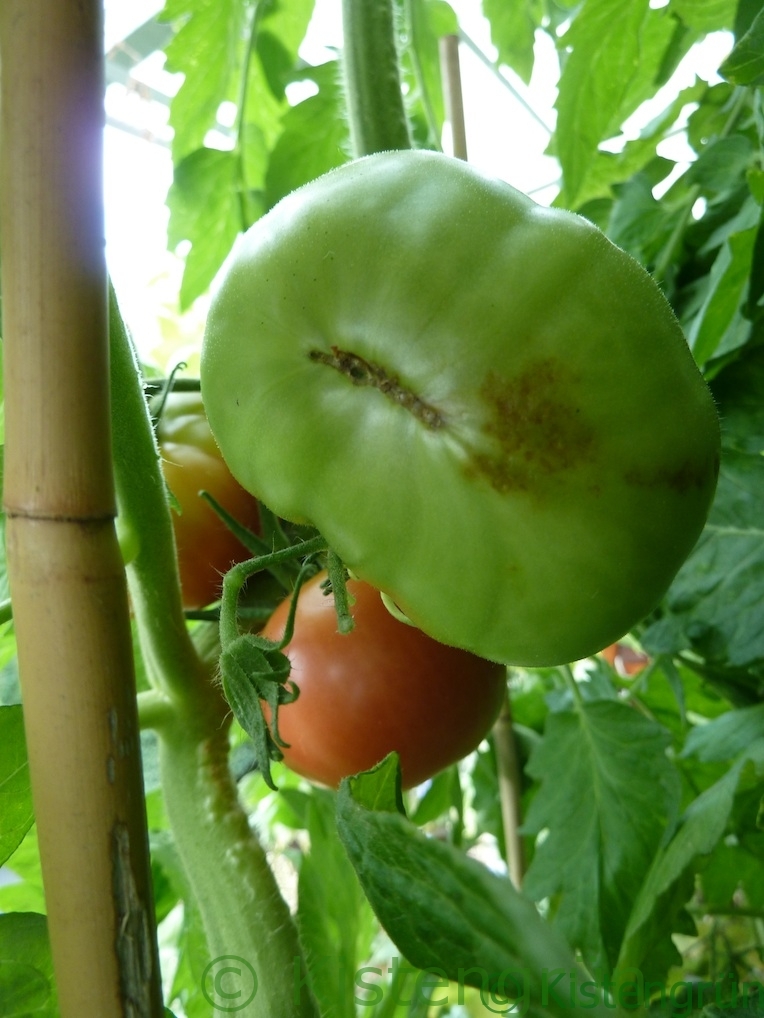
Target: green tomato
[[488, 410]]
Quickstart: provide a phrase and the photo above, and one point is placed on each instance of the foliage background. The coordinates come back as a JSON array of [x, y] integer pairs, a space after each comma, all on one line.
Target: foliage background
[[642, 793]]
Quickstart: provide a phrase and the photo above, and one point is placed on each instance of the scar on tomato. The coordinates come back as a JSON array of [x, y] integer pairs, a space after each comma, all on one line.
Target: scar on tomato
[[535, 429], [362, 372]]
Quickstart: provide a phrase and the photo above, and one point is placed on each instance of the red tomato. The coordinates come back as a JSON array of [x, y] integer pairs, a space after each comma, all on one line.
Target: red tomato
[[191, 463], [385, 686]]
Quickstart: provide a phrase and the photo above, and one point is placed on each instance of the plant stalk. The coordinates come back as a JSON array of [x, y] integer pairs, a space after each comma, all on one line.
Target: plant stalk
[[66, 573], [510, 792], [372, 78], [242, 909], [244, 914]]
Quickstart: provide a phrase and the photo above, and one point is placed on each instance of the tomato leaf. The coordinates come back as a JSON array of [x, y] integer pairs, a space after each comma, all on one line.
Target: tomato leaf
[[428, 22], [701, 827], [607, 792], [314, 137], [714, 605], [745, 64], [615, 52], [335, 921], [205, 210], [727, 736], [26, 969], [253, 671], [380, 787], [16, 814], [513, 30], [706, 15], [207, 48], [449, 914]]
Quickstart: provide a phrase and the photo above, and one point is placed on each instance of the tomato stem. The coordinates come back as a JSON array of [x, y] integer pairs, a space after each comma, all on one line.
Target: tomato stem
[[154, 709], [373, 94], [243, 911], [337, 578], [238, 575], [241, 906], [172, 663], [509, 774]]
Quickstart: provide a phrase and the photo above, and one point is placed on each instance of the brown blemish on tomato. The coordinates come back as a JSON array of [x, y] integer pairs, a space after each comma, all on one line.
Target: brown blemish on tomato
[[535, 429], [682, 479]]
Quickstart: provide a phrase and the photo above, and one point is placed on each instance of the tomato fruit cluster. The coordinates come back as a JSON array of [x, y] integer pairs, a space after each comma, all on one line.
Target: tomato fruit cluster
[[488, 410], [191, 462], [384, 686]]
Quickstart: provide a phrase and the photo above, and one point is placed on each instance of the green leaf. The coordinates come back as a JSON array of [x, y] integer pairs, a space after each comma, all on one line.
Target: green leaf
[[335, 920], [745, 64], [607, 792], [715, 603], [314, 138], [26, 894], [719, 326], [706, 15], [254, 671], [451, 916], [735, 864], [739, 394], [205, 209], [27, 986], [439, 797], [429, 21], [722, 161], [208, 49], [287, 21], [701, 827], [727, 736], [513, 31], [615, 54], [610, 168], [191, 942], [16, 813]]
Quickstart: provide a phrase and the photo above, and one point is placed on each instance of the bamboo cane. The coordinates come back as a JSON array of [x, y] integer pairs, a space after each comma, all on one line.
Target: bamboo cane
[[450, 72], [67, 580]]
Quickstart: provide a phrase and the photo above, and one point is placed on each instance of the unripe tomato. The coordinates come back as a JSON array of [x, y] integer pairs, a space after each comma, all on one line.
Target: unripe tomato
[[384, 686], [191, 463], [488, 410]]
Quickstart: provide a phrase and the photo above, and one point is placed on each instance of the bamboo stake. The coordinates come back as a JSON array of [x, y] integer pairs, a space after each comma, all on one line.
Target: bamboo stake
[[452, 93], [67, 580]]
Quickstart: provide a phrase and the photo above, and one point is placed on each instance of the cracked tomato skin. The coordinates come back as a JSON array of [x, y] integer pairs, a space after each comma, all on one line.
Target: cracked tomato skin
[[488, 409], [384, 686], [191, 462]]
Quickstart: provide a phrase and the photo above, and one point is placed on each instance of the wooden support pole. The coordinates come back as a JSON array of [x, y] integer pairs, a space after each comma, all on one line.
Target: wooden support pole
[[67, 581], [450, 72]]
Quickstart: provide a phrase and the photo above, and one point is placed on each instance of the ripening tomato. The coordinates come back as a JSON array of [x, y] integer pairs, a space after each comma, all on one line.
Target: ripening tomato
[[191, 463], [384, 686], [488, 409], [625, 659]]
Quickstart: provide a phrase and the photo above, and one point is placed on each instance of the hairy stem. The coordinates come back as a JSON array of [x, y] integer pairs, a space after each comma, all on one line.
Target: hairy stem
[[372, 78], [244, 914]]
